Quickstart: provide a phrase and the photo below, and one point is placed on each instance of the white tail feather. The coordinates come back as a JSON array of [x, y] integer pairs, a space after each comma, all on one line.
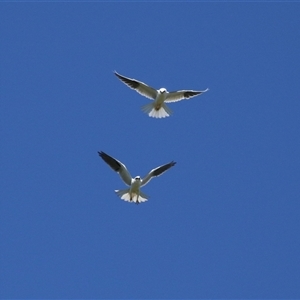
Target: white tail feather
[[163, 112], [136, 198]]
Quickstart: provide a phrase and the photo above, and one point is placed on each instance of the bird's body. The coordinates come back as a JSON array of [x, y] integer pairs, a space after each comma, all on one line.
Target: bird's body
[[157, 108], [160, 98], [135, 188], [133, 193]]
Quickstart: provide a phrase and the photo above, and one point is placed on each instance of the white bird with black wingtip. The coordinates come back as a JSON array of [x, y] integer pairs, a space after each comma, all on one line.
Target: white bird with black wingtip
[[133, 193], [158, 108]]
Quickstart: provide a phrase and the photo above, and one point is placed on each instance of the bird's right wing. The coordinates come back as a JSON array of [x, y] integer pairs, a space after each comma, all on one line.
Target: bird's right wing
[[140, 87], [117, 166], [157, 172], [184, 94]]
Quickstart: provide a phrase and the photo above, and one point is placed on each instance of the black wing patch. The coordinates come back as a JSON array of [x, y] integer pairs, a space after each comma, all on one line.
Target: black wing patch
[[132, 83], [114, 164], [163, 168], [189, 94]]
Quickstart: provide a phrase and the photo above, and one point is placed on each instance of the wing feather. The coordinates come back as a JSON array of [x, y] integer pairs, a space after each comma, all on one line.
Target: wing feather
[[141, 87], [157, 172], [184, 94], [117, 166]]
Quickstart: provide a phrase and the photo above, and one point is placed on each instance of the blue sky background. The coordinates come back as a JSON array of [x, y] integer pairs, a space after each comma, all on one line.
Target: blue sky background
[[223, 223]]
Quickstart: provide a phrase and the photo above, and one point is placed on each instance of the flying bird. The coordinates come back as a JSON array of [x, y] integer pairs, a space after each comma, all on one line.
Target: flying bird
[[158, 108], [133, 193]]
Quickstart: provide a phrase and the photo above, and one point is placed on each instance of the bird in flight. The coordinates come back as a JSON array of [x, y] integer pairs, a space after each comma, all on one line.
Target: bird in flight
[[133, 193], [158, 108]]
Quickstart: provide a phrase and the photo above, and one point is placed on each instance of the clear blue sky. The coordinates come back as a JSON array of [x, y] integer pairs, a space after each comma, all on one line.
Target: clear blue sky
[[223, 223]]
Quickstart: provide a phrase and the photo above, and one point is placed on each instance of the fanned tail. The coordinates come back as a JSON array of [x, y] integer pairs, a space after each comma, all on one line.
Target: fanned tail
[[136, 198], [163, 112]]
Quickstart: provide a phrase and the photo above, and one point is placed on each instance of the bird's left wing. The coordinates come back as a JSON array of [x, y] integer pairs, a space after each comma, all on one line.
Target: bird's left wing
[[141, 87], [157, 171], [117, 166], [184, 94]]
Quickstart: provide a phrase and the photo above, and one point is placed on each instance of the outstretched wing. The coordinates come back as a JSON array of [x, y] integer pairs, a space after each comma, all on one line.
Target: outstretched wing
[[184, 94], [157, 171], [117, 166], [139, 86]]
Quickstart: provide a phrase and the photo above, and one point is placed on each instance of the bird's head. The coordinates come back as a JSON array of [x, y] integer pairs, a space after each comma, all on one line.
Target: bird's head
[[162, 90], [137, 178]]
